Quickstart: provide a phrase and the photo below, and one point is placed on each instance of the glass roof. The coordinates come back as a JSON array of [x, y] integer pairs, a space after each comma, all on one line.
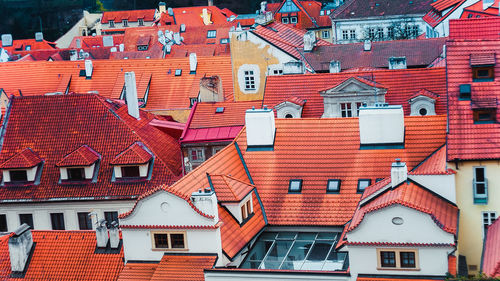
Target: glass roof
[[297, 251]]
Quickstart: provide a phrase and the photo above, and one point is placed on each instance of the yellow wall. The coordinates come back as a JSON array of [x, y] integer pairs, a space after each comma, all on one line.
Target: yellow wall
[[320, 31], [470, 236]]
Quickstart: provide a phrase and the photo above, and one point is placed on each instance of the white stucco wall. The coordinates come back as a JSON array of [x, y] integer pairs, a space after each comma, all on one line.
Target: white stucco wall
[[89, 172], [443, 28], [443, 185], [31, 173], [235, 208]]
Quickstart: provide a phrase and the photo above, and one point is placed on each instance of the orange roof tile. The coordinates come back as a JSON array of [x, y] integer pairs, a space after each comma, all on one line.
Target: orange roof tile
[[130, 15], [192, 16], [229, 189], [475, 28], [137, 153], [65, 255], [491, 251], [435, 164], [360, 278], [23, 159], [183, 267], [137, 271], [233, 114], [82, 156]]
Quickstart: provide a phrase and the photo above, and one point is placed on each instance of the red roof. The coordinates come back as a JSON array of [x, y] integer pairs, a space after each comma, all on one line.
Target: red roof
[[130, 15], [436, 16], [435, 164], [442, 5], [401, 86], [229, 189], [82, 156], [468, 140], [28, 44], [65, 255], [360, 8], [395, 279], [491, 251], [307, 17], [58, 125], [410, 195], [95, 41], [137, 153], [191, 16], [476, 9], [475, 28], [26, 158]]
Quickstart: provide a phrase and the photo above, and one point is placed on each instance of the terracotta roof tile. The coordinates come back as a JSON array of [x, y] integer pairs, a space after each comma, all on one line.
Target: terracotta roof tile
[[183, 267], [137, 271], [491, 251], [436, 16], [424, 92], [229, 189], [478, 59], [26, 158], [130, 15], [475, 28], [394, 279], [435, 164], [233, 114], [360, 8], [137, 153], [65, 255], [82, 156]]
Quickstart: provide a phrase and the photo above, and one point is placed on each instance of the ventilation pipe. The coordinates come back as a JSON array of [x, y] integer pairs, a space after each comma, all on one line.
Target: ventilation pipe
[[131, 95]]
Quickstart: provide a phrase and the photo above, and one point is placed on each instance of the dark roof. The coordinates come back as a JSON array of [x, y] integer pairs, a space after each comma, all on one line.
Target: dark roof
[[55, 126], [353, 9], [418, 53]]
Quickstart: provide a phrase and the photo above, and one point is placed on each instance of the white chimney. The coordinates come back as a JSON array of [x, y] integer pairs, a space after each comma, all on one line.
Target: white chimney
[[381, 124], [78, 42], [309, 41], [293, 67], [399, 172], [193, 63], [206, 201], [177, 38], [121, 47], [88, 69], [263, 7], [114, 235], [367, 46], [260, 127], [335, 66], [107, 41], [168, 48], [170, 12], [183, 28], [20, 247], [38, 36], [210, 3], [131, 95], [162, 7], [397, 63], [101, 234], [6, 40]]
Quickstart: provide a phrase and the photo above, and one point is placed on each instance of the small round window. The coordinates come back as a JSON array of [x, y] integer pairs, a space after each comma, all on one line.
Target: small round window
[[289, 115], [397, 220], [423, 111]]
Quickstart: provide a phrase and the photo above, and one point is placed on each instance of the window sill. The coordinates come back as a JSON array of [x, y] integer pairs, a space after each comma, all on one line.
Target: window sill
[[399, 268], [169, 250]]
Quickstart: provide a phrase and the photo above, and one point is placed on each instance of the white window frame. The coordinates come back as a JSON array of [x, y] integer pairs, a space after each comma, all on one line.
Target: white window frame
[[325, 34], [346, 109], [141, 22], [249, 76], [488, 217], [379, 33], [352, 34], [345, 34], [293, 19], [212, 34], [200, 154], [111, 23], [284, 20], [125, 23]]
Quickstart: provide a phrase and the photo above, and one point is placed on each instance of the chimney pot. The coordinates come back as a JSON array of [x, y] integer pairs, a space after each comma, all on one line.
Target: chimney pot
[[399, 172], [20, 245], [101, 234], [131, 95], [367, 46], [114, 235], [88, 69], [39, 36], [263, 7], [309, 41]]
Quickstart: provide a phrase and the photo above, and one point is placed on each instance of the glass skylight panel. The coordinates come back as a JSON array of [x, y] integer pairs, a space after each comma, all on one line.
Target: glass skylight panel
[[362, 184], [333, 186], [219, 110], [178, 72], [296, 251], [295, 186]]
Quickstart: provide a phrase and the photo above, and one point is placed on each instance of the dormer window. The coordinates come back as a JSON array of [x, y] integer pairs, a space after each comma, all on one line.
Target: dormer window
[[295, 186], [483, 67], [80, 165], [134, 163], [246, 209], [111, 23], [22, 168], [484, 110], [18, 175]]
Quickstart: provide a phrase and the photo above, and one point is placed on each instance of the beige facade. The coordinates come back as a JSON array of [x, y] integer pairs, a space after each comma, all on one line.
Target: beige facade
[[470, 233]]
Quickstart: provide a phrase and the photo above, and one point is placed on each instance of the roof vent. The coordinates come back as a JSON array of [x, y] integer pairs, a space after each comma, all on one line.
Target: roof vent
[[397, 63], [107, 41], [170, 11], [101, 234], [367, 46], [177, 38], [89, 68], [121, 47], [381, 125], [193, 63], [183, 28], [38, 36], [131, 95], [260, 128], [20, 245], [309, 41], [78, 43], [399, 172], [6, 40]]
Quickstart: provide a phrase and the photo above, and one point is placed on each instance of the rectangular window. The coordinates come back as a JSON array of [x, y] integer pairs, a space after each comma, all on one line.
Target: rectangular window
[[130, 171], [333, 186], [18, 176], [192, 101], [352, 34], [111, 217], [293, 19], [346, 110], [488, 219], [390, 32], [387, 259], [371, 33], [483, 74], [362, 184], [3, 223], [380, 33], [484, 115], [246, 209], [249, 80], [27, 219], [224, 40], [141, 22], [295, 186], [211, 33], [169, 241], [76, 174], [84, 221], [111, 23], [125, 23], [197, 155], [480, 186], [57, 220], [178, 72], [284, 20], [358, 106], [397, 259], [345, 34], [407, 259], [325, 34]]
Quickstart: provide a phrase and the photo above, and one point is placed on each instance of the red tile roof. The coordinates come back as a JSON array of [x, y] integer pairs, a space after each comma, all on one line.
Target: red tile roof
[[435, 164], [204, 115], [467, 140], [137, 271], [395, 279], [183, 267], [426, 93], [308, 16], [82, 156], [31, 44], [479, 59], [491, 251], [137, 153], [476, 28], [130, 15], [65, 255], [191, 16], [58, 125], [166, 90], [229, 189], [418, 53], [436, 16], [441, 5], [360, 8], [26, 158], [95, 41], [401, 86], [227, 133], [410, 195], [477, 10]]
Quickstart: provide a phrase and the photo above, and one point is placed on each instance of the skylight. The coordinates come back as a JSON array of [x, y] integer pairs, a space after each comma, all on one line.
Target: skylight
[[219, 110], [333, 186], [362, 184], [295, 186], [178, 72], [297, 251]]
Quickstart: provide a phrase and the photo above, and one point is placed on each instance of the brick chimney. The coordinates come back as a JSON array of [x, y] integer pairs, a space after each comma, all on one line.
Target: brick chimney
[[131, 95], [399, 172], [260, 127], [20, 245]]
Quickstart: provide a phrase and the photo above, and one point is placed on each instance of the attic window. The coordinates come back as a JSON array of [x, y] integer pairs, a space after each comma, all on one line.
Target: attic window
[[465, 92], [224, 40], [111, 23], [363, 184], [284, 20], [295, 186], [219, 110], [293, 19], [211, 33], [141, 22], [130, 172], [178, 72], [483, 74], [18, 175], [487, 115], [125, 23], [333, 186], [76, 174]]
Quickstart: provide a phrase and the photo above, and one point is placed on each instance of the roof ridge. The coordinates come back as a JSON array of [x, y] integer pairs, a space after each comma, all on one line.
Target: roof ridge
[[230, 188]]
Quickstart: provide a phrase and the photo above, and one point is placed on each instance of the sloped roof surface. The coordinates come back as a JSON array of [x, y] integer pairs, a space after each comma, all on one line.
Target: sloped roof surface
[[22, 44], [477, 7], [230, 189], [401, 85], [467, 140], [183, 267], [135, 271], [26, 158], [65, 255], [352, 9], [192, 16], [130, 15], [421, 52], [82, 156], [233, 115], [58, 125], [137, 153], [435, 164], [491, 251], [435, 15]]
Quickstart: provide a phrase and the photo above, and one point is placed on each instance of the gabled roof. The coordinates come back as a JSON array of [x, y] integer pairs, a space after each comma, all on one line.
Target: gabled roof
[[353, 9], [229, 189], [82, 156], [491, 251], [32, 44], [401, 85], [130, 15], [309, 8], [137, 153], [26, 158], [418, 53], [411, 195], [64, 255], [477, 8], [425, 93], [467, 140], [95, 41], [191, 16], [60, 124], [435, 164], [435, 15]]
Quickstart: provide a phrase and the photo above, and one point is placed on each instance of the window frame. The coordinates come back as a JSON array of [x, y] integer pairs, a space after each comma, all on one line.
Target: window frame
[[479, 198], [125, 23], [201, 159], [140, 22], [358, 190], [478, 116], [129, 168], [249, 78], [211, 33], [337, 191], [327, 32], [489, 78], [17, 171], [290, 186], [294, 20], [111, 23], [55, 219], [3, 223], [352, 34], [113, 214], [489, 218], [21, 220], [81, 169], [285, 20], [169, 243], [87, 223], [246, 209], [347, 111], [345, 34], [397, 257]]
